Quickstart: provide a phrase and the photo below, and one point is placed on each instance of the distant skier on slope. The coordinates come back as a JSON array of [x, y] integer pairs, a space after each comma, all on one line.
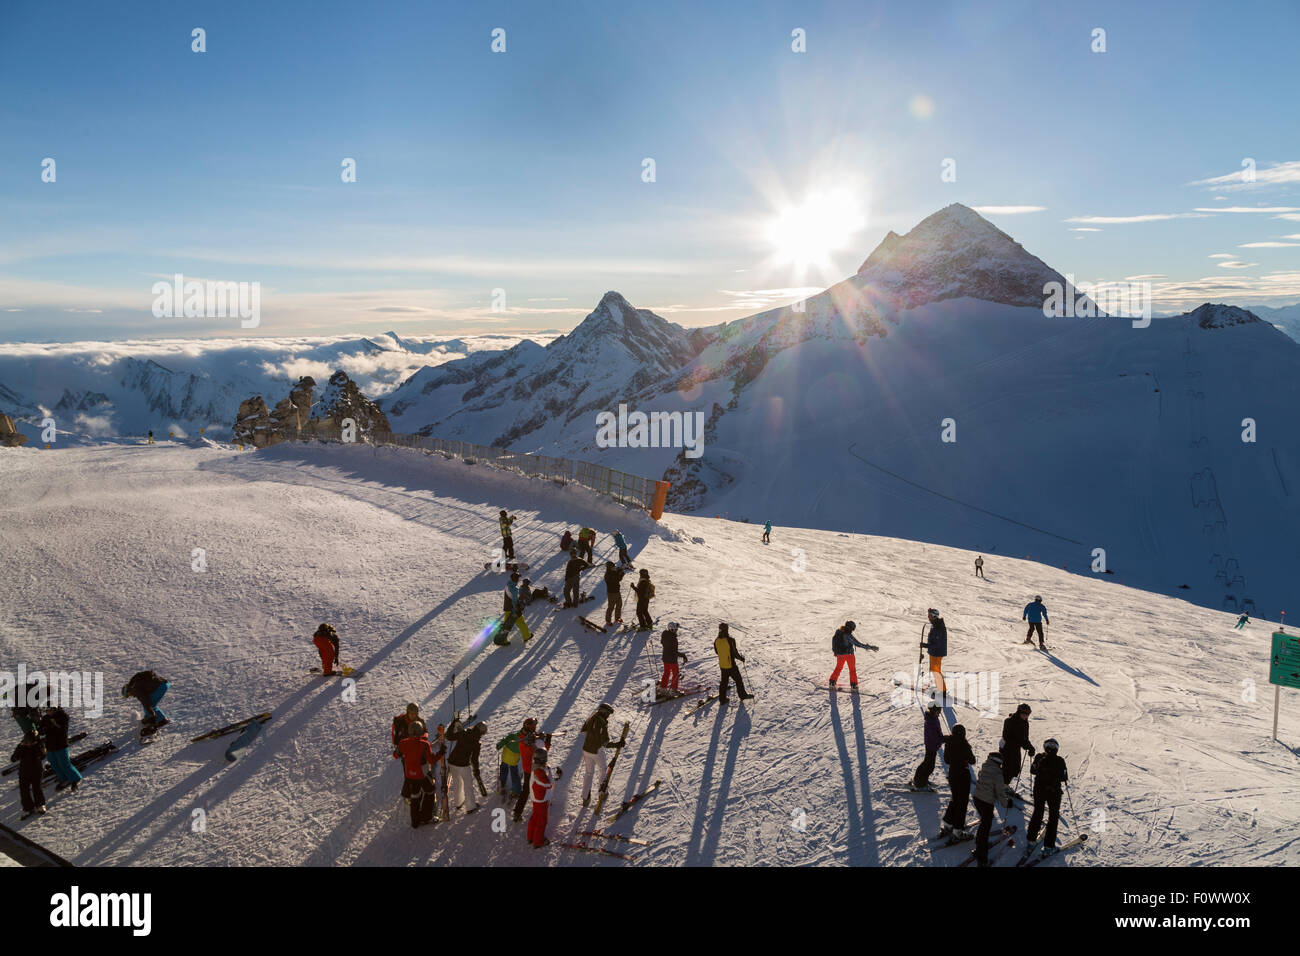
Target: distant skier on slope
[[1015, 738], [149, 689], [540, 785], [1242, 622], [933, 741], [595, 741], [671, 655], [1036, 614], [572, 580], [959, 757], [767, 532], [842, 643], [936, 642], [979, 566], [326, 640], [416, 754], [989, 789], [613, 593], [507, 542], [151, 436], [621, 543], [644, 591], [587, 544], [724, 645], [1050, 774]]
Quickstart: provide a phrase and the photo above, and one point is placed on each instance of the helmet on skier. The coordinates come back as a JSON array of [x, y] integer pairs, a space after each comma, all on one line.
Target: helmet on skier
[[1024, 709], [933, 612], [1050, 745], [416, 728], [539, 757], [959, 731], [849, 625], [673, 625], [1038, 597], [413, 708], [605, 709], [934, 709], [503, 510], [514, 575], [996, 758], [482, 725], [530, 723]]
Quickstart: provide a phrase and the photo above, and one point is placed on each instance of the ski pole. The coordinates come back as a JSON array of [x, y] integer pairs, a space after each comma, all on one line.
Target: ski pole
[[453, 696], [469, 700], [1073, 816]]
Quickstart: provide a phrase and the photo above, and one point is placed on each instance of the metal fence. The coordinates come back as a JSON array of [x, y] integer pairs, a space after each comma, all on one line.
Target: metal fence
[[622, 487]]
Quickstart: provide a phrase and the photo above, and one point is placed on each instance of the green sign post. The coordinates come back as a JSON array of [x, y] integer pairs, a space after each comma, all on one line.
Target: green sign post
[[1284, 667]]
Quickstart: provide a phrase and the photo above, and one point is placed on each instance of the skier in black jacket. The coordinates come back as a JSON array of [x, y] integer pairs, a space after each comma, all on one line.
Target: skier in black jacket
[[148, 688], [54, 730], [959, 758], [572, 581], [1015, 738], [1050, 774], [671, 656], [30, 755], [644, 591], [613, 593]]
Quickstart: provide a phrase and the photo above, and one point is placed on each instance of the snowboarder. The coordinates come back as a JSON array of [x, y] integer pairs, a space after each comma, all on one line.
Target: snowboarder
[[326, 640], [842, 643], [528, 594], [507, 542], [933, 741], [416, 754], [149, 689], [595, 740], [1036, 615], [613, 593], [936, 642], [572, 580], [644, 591], [586, 544], [566, 540], [1050, 774], [621, 543], [509, 772], [724, 645], [528, 742], [54, 730], [1015, 738], [1242, 622], [989, 789], [464, 742], [767, 532], [541, 786], [30, 755], [979, 566], [959, 757], [514, 611], [671, 656]]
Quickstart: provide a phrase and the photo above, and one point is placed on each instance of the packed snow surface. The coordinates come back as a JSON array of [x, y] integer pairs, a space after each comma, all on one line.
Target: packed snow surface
[[1162, 709]]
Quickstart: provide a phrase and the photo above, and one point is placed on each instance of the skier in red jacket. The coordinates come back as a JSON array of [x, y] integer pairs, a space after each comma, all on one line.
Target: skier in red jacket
[[416, 755], [540, 784], [326, 640]]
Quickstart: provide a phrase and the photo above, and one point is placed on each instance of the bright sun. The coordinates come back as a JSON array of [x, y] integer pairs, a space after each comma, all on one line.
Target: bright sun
[[807, 234]]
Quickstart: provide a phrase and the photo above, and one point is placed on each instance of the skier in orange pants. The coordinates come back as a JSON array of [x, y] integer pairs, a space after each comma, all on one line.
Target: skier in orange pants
[[842, 646], [326, 640]]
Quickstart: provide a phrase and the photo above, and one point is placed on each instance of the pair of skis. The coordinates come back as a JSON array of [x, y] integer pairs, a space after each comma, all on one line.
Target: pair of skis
[[609, 771], [13, 767], [1003, 837], [231, 728], [1077, 841]]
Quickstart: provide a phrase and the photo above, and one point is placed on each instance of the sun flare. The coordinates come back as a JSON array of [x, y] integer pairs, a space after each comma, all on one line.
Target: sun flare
[[807, 234]]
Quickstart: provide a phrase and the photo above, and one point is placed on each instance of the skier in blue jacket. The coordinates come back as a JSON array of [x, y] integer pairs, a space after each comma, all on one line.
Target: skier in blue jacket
[[621, 543], [1036, 614], [767, 532]]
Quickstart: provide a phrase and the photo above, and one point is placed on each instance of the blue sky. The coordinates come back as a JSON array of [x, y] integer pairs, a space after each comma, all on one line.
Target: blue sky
[[522, 170]]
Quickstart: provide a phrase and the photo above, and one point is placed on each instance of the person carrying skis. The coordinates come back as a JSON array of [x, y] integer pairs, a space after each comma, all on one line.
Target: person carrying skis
[[594, 743], [959, 757], [572, 580], [671, 656], [1050, 774], [587, 544], [509, 772], [416, 754], [326, 640], [933, 741], [1036, 615], [443, 782], [767, 532], [613, 593], [644, 591], [514, 613], [30, 755], [842, 643], [528, 743], [540, 785], [989, 789], [979, 566], [1015, 738], [148, 688], [507, 542], [724, 645], [936, 642], [464, 741], [566, 540], [621, 543], [54, 730]]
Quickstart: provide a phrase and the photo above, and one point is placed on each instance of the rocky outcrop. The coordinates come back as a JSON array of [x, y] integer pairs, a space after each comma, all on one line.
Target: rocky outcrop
[[10, 437], [253, 423], [296, 418], [341, 401]]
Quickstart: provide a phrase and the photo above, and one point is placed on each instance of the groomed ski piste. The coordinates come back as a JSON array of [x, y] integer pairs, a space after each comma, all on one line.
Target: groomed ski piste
[[1163, 711]]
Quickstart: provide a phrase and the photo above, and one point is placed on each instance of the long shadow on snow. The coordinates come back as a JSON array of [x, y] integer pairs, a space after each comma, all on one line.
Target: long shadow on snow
[[861, 839], [1072, 671], [703, 847]]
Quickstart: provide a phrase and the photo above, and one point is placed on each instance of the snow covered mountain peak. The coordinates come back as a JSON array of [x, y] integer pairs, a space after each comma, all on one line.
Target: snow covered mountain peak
[[1213, 315], [954, 253]]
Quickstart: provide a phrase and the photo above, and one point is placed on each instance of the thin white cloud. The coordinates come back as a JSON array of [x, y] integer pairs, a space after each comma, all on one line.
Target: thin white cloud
[[1268, 245], [1292, 216], [1007, 210], [1287, 209], [1083, 229], [1234, 264], [1119, 220], [1154, 275], [1275, 174], [1222, 255]]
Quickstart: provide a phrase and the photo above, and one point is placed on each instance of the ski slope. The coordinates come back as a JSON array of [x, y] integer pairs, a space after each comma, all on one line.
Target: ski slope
[[1170, 756]]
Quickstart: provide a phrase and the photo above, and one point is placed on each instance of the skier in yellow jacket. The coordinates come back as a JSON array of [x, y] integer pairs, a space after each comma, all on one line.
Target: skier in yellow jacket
[[725, 647]]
